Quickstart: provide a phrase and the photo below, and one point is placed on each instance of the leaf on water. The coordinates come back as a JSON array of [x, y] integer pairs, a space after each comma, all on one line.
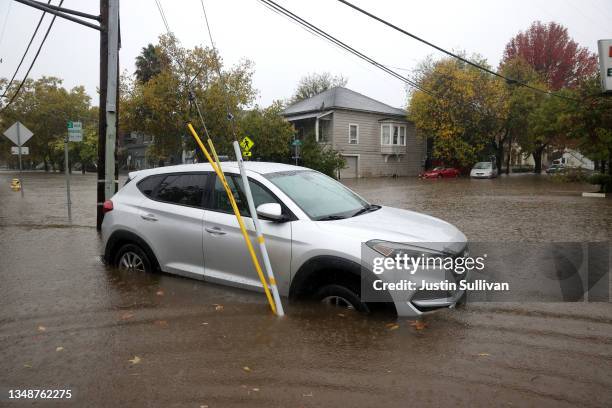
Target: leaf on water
[[483, 354], [247, 369], [341, 314], [161, 323], [60, 348], [256, 389], [418, 324], [135, 360], [26, 365], [204, 323], [127, 316], [392, 326], [160, 293], [307, 395], [42, 328], [218, 308]]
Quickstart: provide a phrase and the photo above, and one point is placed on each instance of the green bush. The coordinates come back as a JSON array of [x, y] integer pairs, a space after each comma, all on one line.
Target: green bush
[[321, 157], [522, 169], [603, 180]]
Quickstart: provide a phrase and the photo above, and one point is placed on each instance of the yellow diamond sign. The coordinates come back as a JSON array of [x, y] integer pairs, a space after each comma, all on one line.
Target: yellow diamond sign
[[246, 143]]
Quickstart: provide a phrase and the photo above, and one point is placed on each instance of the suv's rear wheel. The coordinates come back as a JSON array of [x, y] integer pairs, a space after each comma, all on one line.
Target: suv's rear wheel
[[342, 297], [132, 258]]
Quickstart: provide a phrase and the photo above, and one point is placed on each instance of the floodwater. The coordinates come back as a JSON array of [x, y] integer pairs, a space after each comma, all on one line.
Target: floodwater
[[115, 339]]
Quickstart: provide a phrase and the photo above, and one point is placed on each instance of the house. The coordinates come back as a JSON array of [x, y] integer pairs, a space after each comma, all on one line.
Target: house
[[375, 139]]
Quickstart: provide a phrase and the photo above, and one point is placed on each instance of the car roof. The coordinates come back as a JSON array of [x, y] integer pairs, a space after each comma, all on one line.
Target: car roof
[[256, 167]]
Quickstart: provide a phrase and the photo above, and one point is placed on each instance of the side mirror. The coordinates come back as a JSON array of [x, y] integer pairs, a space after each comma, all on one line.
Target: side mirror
[[271, 211]]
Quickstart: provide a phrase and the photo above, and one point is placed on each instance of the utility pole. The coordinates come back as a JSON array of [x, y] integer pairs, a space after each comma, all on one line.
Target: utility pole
[[108, 124], [109, 95]]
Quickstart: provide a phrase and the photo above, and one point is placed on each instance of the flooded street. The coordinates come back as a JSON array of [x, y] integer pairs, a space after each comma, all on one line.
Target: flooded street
[[116, 339]]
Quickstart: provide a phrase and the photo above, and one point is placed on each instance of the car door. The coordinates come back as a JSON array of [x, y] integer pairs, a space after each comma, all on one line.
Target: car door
[[172, 222], [227, 259]]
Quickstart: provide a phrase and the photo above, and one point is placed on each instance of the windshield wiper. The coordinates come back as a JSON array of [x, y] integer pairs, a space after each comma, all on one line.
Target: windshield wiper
[[371, 207], [331, 218]]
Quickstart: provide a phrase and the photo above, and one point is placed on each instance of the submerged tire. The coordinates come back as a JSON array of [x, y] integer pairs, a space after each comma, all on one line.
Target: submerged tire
[[131, 257], [341, 296]]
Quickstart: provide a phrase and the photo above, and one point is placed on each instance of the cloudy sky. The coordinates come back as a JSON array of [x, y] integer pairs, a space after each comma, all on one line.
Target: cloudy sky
[[283, 52]]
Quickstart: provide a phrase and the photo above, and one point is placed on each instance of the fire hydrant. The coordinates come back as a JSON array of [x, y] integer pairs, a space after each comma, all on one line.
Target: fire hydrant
[[15, 184]]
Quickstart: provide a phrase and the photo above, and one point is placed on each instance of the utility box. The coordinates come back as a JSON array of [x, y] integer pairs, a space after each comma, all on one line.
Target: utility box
[[605, 64]]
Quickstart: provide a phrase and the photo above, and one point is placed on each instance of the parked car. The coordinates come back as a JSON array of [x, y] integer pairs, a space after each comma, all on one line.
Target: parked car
[[179, 220], [556, 168], [440, 172], [484, 170]]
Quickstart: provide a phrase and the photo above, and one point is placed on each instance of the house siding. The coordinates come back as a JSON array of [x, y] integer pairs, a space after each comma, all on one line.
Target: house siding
[[371, 160]]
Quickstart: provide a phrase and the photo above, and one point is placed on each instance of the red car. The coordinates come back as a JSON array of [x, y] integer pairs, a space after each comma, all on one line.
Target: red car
[[441, 172]]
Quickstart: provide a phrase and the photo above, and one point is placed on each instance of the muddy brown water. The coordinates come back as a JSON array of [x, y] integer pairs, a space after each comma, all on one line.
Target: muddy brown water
[[68, 322]]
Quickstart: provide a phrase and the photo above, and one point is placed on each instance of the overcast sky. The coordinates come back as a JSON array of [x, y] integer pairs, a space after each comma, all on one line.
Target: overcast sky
[[282, 51]]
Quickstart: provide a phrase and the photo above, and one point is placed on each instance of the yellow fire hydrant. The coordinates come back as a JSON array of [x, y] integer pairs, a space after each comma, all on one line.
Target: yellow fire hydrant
[[15, 184]]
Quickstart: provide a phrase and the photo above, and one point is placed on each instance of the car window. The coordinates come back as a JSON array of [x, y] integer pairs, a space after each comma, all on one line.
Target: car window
[[182, 189], [316, 194], [220, 201], [149, 184]]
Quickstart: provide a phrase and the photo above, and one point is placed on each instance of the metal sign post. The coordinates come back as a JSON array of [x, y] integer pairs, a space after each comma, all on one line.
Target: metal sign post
[[19, 134], [75, 134], [260, 237]]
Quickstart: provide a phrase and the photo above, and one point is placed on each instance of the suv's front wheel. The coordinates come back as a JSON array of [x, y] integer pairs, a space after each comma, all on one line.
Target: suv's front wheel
[[132, 258], [342, 297]]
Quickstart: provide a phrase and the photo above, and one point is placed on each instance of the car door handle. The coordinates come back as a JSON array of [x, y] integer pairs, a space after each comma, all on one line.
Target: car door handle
[[215, 230], [148, 217]]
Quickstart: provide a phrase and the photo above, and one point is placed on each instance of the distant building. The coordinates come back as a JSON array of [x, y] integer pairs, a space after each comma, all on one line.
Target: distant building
[[134, 146], [375, 139]]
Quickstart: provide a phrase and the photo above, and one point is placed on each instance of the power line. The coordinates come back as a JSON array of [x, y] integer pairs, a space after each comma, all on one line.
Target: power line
[[26, 52], [33, 61], [321, 33], [8, 11], [460, 58]]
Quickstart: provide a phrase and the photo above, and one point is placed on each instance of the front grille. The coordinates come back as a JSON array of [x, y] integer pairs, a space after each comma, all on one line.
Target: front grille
[[432, 294]]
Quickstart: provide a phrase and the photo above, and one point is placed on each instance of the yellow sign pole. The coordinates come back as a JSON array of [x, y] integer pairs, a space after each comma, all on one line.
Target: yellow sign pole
[[217, 168]]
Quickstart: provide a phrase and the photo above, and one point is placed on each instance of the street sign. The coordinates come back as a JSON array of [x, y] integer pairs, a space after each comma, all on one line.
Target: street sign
[[296, 142], [18, 134], [246, 144], [247, 154], [75, 131], [605, 64], [24, 150]]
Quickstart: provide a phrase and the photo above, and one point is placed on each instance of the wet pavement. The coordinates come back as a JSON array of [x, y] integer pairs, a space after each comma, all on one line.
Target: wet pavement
[[68, 322]]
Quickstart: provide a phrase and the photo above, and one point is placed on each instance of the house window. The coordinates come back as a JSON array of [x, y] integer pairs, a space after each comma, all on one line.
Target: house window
[[394, 135], [353, 134]]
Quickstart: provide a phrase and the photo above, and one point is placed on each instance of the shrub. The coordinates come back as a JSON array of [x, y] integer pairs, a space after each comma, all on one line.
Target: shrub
[[321, 157], [603, 180]]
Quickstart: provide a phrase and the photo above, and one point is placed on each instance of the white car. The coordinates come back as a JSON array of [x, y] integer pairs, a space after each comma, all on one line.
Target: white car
[[484, 170], [179, 220]]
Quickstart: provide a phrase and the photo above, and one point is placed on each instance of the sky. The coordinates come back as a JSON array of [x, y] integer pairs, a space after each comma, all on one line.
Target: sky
[[283, 52]]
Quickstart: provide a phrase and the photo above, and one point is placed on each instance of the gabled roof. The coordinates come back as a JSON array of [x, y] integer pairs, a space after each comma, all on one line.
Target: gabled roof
[[341, 98]]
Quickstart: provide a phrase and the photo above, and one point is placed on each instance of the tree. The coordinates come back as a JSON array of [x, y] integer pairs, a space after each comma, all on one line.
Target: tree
[[270, 132], [161, 106], [314, 84], [553, 54], [45, 106], [148, 64], [463, 110]]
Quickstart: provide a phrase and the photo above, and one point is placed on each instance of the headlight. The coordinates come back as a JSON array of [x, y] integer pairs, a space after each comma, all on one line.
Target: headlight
[[392, 249]]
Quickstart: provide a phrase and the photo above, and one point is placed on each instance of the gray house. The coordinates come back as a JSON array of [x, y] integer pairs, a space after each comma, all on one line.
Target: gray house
[[375, 139]]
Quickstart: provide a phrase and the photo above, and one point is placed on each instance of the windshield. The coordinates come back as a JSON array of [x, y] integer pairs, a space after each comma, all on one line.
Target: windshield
[[318, 195], [482, 165]]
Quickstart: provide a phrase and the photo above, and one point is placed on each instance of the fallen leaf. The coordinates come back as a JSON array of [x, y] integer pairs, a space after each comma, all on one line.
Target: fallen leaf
[[418, 324], [60, 348], [127, 316], [341, 314], [161, 323], [42, 328], [307, 395], [135, 360], [256, 389], [27, 365], [203, 406], [160, 293], [483, 354], [204, 323], [218, 308], [392, 326], [247, 369]]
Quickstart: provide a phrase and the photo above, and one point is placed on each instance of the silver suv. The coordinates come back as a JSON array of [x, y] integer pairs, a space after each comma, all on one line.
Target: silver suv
[[179, 220]]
